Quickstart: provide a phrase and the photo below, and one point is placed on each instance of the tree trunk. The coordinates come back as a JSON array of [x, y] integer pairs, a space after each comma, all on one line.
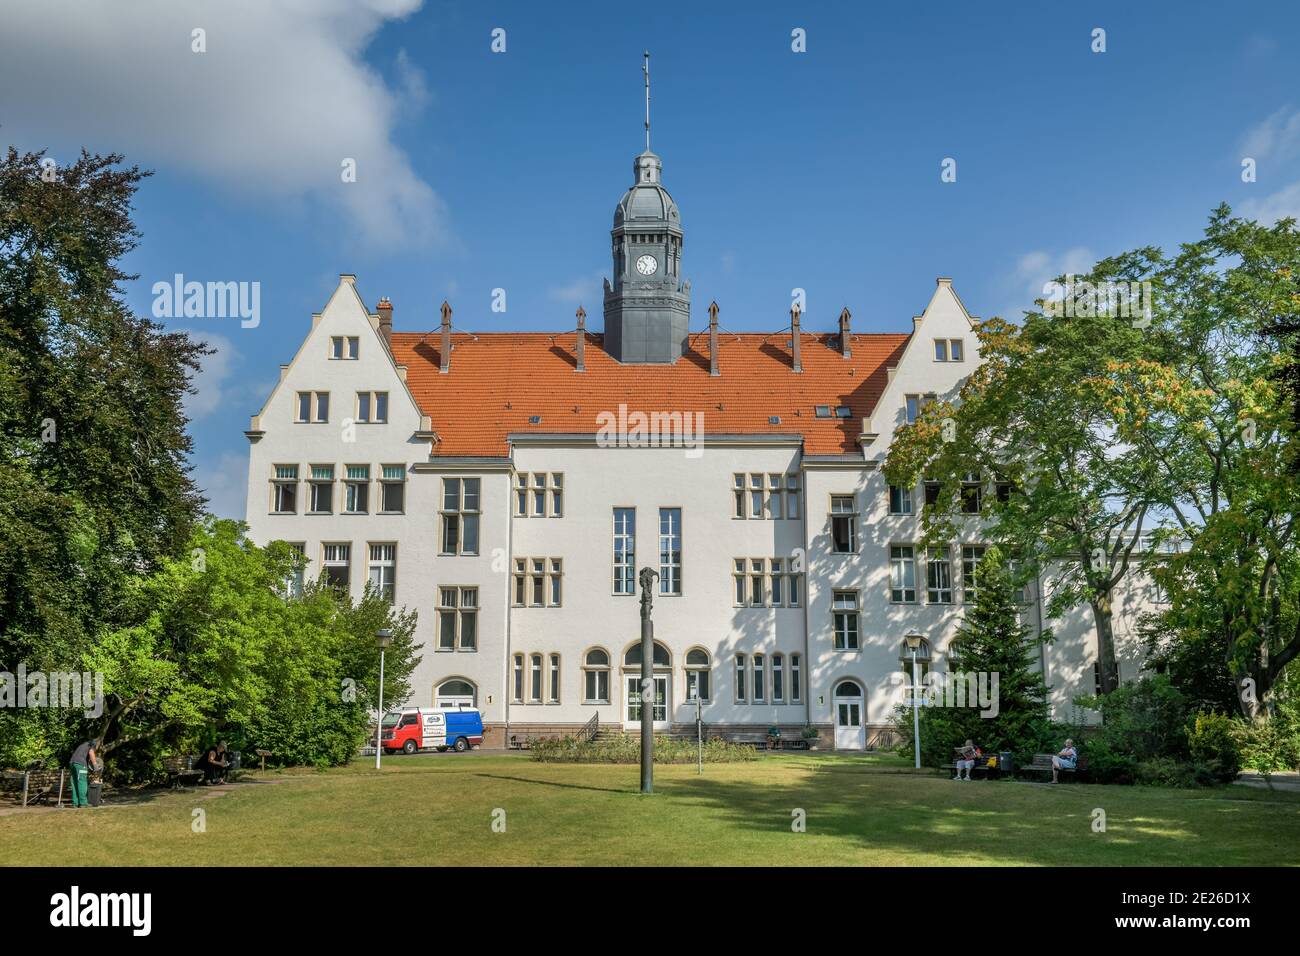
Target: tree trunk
[[1101, 613]]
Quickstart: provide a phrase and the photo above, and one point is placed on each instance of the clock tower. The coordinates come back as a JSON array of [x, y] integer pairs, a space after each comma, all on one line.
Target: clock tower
[[648, 305]]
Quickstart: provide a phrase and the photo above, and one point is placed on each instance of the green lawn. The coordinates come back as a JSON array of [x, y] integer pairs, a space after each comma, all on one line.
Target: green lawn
[[860, 811]]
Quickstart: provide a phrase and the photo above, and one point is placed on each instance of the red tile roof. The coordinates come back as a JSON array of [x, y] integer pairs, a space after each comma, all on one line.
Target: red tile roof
[[499, 380]]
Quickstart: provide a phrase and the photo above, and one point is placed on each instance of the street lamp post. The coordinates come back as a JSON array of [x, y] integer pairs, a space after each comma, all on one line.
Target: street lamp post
[[913, 644], [383, 638], [647, 577]]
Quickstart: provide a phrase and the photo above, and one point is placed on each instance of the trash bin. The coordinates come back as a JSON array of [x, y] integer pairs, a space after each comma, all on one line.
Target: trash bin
[[1004, 761], [93, 793]]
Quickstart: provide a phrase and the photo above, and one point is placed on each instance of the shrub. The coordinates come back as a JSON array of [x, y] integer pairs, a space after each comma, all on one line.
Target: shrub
[[1214, 743], [1165, 772], [627, 749]]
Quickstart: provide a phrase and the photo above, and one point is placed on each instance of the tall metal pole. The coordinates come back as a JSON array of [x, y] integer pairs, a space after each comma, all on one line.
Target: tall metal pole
[[699, 733], [379, 727], [916, 714], [648, 577]]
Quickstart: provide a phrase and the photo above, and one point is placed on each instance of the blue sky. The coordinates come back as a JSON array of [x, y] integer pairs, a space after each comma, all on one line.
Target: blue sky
[[481, 170]]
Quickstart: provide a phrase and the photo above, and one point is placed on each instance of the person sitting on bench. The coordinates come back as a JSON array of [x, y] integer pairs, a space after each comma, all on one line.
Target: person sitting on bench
[[214, 763], [1067, 759], [773, 737], [965, 760]]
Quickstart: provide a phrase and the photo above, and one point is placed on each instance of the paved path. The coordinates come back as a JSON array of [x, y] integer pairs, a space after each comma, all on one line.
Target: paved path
[[1282, 780]]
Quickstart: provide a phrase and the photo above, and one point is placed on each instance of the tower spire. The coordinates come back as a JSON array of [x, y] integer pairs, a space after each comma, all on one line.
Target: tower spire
[[645, 69]]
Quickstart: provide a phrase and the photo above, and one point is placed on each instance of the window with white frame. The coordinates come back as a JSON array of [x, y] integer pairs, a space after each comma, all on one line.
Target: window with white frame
[[792, 495], [670, 550], [796, 678], [457, 618], [624, 550], [900, 500], [757, 575], [392, 489], [517, 680], [554, 682], [765, 582], [778, 678], [356, 489], [595, 676], [759, 682], [948, 350], [383, 570], [322, 489], [284, 490], [938, 575], [738, 496], [902, 574], [697, 675], [313, 407], [372, 408], [293, 584], [914, 404], [740, 679], [775, 496], [971, 556], [770, 495], [844, 525], [460, 515], [844, 619], [346, 347], [337, 564]]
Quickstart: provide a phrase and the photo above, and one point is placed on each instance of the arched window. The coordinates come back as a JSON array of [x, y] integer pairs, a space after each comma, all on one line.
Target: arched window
[[595, 679], [697, 674], [759, 684], [847, 688], [778, 678], [632, 656], [454, 693], [518, 688], [555, 679], [535, 680]]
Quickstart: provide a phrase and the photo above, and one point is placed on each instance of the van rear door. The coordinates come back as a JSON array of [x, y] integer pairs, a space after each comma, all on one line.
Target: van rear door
[[435, 728]]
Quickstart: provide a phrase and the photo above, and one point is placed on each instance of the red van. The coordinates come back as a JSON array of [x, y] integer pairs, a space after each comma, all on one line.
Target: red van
[[413, 729]]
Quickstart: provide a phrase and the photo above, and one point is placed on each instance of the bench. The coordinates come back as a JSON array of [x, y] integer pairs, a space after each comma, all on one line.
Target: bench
[[179, 768], [782, 742], [982, 765], [1042, 763], [757, 741]]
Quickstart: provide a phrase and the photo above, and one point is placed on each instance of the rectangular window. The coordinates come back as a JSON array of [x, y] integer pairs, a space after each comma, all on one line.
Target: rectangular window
[[796, 679], [344, 347], [777, 588], [844, 615], [537, 583], [383, 570], [322, 489], [293, 585], [740, 678], [915, 403], [971, 555], [738, 575], [356, 489], [756, 509], [793, 585], [457, 619], [460, 515], [738, 496], [756, 589], [392, 489], [372, 407], [521, 495], [555, 679], [775, 498], [518, 682], [521, 582], [624, 550], [596, 686], [313, 407], [902, 574], [932, 489], [955, 350], [670, 550], [941, 350], [778, 679], [900, 500], [284, 490], [336, 347], [792, 496], [760, 670], [972, 490], [844, 525], [557, 495], [557, 577], [535, 679], [938, 576], [337, 564]]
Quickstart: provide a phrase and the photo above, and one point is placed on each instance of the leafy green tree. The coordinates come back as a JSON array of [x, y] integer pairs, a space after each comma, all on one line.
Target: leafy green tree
[[991, 639]]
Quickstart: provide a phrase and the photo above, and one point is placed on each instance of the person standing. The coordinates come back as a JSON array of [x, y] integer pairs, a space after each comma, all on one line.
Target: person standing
[[84, 759]]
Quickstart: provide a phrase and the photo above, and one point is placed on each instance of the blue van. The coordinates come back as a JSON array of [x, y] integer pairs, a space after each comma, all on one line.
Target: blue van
[[413, 729]]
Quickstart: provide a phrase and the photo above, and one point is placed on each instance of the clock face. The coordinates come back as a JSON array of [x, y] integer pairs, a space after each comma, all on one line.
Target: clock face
[[647, 265]]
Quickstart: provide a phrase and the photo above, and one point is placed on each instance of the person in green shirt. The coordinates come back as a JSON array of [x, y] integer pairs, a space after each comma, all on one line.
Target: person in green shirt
[[84, 759]]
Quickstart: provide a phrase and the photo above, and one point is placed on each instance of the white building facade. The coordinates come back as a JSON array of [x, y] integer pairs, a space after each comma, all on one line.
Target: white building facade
[[502, 487]]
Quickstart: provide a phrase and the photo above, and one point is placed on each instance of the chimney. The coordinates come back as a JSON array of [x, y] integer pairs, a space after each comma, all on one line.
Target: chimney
[[385, 310], [713, 339], [444, 350], [582, 339], [794, 338], [846, 336]]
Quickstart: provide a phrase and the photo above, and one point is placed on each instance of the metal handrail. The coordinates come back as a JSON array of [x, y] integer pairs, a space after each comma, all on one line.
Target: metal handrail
[[590, 728]]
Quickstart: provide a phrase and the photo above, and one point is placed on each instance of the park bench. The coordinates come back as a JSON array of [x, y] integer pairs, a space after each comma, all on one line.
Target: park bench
[[757, 741], [180, 768], [517, 742], [1042, 763], [982, 766]]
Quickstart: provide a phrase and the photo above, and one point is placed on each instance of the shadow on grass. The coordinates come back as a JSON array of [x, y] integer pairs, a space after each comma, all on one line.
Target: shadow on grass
[[553, 783]]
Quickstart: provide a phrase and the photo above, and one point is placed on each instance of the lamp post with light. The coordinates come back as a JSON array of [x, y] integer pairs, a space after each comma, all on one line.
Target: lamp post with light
[[383, 638], [913, 644]]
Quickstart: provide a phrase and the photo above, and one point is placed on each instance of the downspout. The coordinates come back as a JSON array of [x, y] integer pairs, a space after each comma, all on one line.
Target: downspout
[[807, 598], [510, 577]]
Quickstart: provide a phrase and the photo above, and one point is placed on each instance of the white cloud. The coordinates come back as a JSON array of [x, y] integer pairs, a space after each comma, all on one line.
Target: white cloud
[[1276, 139], [214, 389], [1033, 270], [584, 290], [1280, 205], [225, 485], [278, 101]]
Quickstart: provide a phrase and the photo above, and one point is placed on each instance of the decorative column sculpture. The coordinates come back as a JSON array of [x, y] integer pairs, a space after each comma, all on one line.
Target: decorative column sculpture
[[647, 578]]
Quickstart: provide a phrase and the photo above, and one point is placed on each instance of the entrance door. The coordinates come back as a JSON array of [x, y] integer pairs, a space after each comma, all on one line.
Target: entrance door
[[632, 717], [850, 732]]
